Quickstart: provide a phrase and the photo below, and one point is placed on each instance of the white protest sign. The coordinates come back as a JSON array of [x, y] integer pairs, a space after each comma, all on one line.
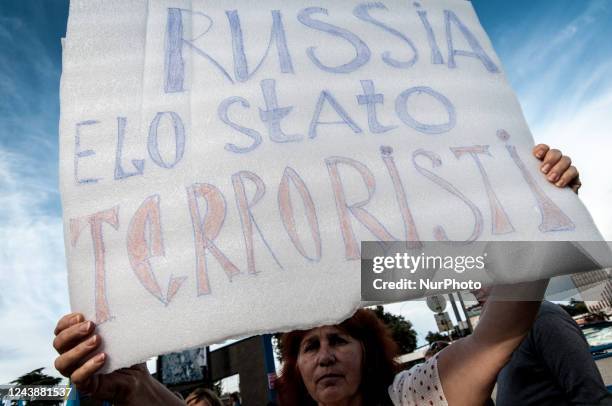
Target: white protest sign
[[222, 160]]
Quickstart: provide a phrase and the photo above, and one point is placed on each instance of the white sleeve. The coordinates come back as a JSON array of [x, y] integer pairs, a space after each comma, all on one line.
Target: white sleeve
[[420, 385]]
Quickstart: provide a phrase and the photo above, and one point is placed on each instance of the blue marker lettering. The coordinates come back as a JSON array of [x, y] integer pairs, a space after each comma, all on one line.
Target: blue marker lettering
[[277, 36], [436, 55], [362, 52], [370, 98], [249, 132], [477, 51], [325, 95], [402, 111], [362, 12], [82, 154], [179, 137], [174, 66], [138, 163], [273, 114]]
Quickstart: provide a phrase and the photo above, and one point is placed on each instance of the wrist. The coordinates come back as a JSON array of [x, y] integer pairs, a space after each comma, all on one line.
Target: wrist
[[152, 392]]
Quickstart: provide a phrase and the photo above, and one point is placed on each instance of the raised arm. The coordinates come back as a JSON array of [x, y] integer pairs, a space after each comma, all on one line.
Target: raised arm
[[468, 369]]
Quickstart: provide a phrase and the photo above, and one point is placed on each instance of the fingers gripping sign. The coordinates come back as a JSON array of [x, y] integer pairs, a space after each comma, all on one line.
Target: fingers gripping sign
[[557, 167]]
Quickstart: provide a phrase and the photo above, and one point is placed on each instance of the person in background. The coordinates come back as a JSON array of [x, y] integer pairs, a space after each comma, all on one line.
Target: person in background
[[203, 397], [552, 366]]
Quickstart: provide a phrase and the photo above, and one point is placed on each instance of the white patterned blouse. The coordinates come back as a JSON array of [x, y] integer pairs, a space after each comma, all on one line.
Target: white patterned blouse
[[418, 386]]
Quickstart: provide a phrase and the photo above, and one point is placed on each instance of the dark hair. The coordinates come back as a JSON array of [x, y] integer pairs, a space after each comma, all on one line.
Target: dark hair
[[204, 394], [378, 369]]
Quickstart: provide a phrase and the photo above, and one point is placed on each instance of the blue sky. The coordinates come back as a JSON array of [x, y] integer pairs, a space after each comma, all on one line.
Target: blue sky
[[557, 56]]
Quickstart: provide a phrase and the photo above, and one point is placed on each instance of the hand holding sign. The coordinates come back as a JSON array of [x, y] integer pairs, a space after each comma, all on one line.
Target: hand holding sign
[[557, 167], [76, 341]]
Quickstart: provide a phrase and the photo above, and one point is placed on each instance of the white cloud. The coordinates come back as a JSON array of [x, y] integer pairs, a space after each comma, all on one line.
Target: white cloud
[[552, 63], [32, 272], [581, 22]]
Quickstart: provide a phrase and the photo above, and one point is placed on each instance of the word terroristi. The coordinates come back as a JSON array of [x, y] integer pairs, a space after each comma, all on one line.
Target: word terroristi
[[145, 235]]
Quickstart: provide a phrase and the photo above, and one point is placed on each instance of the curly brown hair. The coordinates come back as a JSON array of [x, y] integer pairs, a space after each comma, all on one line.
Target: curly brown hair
[[378, 369]]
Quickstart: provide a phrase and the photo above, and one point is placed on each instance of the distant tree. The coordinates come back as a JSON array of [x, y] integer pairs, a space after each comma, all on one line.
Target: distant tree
[[575, 307], [435, 336], [401, 329], [37, 377]]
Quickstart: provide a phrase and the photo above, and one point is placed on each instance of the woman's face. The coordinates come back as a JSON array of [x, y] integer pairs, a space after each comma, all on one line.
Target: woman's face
[[329, 361]]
